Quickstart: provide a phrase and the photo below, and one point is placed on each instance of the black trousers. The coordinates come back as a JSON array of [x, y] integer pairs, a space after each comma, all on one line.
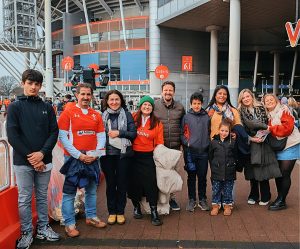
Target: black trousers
[[142, 175], [116, 175], [263, 187], [201, 163]]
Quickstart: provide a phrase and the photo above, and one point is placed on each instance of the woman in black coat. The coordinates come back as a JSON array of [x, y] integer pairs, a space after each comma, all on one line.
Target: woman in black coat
[[261, 164], [120, 133]]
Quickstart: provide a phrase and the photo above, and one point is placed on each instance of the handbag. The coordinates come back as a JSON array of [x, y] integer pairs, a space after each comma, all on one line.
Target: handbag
[[276, 144]]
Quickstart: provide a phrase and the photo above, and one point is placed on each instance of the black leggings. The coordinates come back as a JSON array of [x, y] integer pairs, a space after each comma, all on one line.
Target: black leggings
[[283, 183]]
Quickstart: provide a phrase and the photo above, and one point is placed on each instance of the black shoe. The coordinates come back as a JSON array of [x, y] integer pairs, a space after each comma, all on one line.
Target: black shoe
[[278, 204], [173, 205], [155, 220], [137, 213]]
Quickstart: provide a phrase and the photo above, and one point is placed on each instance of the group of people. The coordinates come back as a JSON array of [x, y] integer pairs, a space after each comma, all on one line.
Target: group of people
[[258, 137]]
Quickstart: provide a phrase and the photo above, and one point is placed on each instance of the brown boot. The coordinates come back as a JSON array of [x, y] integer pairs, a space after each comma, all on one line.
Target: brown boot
[[227, 209], [214, 210], [95, 222]]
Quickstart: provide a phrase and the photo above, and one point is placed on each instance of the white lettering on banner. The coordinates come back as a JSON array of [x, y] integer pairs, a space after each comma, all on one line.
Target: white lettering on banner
[[85, 133]]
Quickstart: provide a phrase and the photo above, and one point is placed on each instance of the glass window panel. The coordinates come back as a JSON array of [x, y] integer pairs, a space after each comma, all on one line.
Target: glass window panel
[[103, 36], [138, 33], [103, 59], [134, 87], [115, 66], [115, 35]]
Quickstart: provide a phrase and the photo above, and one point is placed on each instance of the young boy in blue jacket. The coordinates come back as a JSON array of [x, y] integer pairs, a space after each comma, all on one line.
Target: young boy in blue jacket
[[195, 130]]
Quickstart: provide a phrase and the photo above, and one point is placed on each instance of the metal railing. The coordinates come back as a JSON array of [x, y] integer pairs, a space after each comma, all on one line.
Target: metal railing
[[5, 166]]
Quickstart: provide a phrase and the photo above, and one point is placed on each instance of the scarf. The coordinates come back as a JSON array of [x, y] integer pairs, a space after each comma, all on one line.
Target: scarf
[[275, 115], [119, 143], [225, 111], [255, 113]]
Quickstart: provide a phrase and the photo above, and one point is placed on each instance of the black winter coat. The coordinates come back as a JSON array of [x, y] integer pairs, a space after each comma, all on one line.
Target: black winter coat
[[129, 134], [222, 158], [31, 127]]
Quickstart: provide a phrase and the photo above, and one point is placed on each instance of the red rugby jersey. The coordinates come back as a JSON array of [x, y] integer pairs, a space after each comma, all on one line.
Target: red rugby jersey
[[82, 128]]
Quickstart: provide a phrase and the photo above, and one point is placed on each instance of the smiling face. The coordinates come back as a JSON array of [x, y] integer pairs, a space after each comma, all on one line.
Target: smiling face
[[270, 102], [168, 93], [221, 96], [31, 88], [146, 108], [247, 99], [224, 131], [114, 101], [84, 97]]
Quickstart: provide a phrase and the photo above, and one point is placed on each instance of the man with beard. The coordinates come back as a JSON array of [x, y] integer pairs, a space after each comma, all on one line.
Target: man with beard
[[170, 113]]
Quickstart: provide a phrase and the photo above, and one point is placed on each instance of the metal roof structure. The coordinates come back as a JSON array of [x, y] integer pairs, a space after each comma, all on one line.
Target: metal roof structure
[[93, 6], [262, 22]]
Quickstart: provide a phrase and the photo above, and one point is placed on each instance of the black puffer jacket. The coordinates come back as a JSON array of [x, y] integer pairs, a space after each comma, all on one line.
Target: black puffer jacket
[[170, 116], [222, 159]]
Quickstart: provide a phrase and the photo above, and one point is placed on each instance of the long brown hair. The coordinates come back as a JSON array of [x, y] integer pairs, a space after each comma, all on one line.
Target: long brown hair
[[153, 119]]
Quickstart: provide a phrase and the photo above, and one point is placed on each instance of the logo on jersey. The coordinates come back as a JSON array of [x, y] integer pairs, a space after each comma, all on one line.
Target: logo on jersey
[[85, 133], [44, 112], [94, 116], [142, 133], [76, 115]]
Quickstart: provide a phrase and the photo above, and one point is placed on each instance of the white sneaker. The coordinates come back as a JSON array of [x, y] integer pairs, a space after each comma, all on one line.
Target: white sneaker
[[251, 202], [262, 203]]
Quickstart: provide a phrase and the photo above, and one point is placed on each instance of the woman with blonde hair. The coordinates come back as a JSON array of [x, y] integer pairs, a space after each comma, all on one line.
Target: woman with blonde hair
[[281, 125], [261, 164]]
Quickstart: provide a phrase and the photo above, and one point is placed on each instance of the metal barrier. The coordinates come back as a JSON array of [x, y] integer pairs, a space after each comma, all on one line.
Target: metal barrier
[[5, 165]]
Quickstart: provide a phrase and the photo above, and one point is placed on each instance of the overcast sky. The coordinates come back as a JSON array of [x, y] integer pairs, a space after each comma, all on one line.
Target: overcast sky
[[7, 55]]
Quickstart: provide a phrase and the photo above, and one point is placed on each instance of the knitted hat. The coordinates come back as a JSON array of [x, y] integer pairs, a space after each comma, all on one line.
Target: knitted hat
[[146, 98]]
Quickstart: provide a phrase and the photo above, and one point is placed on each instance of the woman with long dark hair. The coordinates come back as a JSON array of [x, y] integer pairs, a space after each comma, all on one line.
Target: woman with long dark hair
[[120, 132], [143, 171], [220, 108]]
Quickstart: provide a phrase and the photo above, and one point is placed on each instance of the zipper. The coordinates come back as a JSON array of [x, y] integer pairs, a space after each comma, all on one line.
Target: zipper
[[169, 130]]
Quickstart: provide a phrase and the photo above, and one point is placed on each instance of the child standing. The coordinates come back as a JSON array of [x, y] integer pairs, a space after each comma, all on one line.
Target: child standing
[[195, 139], [222, 160]]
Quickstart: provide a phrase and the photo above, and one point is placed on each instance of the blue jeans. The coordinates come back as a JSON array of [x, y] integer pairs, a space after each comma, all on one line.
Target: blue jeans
[[68, 211], [90, 199], [222, 187], [27, 177]]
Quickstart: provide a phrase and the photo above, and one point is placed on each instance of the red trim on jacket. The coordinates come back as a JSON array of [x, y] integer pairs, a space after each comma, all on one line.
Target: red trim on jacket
[[286, 127]]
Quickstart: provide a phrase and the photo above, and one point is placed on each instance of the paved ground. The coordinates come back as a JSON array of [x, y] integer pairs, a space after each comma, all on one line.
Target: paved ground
[[248, 227]]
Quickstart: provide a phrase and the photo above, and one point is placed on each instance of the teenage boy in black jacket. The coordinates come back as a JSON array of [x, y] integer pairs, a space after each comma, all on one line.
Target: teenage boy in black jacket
[[32, 132]]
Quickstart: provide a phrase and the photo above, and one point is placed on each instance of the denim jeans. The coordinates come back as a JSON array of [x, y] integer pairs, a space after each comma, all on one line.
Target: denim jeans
[[68, 211], [27, 177], [90, 200]]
